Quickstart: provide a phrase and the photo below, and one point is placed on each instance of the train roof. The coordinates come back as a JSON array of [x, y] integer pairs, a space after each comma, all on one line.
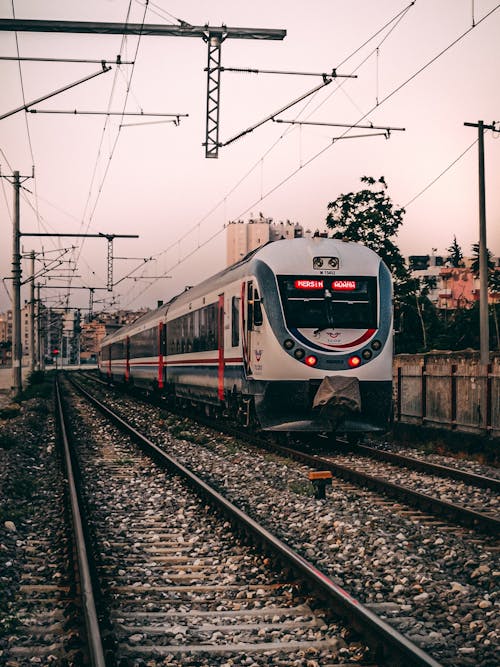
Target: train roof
[[286, 256]]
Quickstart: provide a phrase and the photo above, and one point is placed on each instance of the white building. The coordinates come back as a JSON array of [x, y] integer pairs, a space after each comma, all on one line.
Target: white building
[[243, 237]]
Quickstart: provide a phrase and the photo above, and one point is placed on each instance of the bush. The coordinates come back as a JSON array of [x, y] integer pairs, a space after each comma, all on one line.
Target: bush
[[8, 441], [10, 411], [38, 386]]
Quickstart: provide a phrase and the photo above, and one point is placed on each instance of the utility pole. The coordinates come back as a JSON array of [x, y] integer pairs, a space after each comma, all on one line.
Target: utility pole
[[40, 359], [17, 350], [32, 312], [483, 252]]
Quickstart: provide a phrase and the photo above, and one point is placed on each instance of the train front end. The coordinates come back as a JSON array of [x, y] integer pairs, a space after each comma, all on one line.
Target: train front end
[[327, 338]]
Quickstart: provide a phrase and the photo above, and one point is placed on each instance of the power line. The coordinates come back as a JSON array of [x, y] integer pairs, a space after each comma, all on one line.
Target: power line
[[198, 224], [327, 147], [441, 174], [385, 99]]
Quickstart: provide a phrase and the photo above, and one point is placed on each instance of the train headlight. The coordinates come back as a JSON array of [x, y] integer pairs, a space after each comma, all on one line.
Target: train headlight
[[367, 354], [299, 353], [376, 345], [311, 360], [354, 361], [288, 344]]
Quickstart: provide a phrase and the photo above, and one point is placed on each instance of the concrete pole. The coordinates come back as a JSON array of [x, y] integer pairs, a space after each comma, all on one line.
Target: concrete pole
[[17, 350], [32, 313], [40, 362], [483, 256]]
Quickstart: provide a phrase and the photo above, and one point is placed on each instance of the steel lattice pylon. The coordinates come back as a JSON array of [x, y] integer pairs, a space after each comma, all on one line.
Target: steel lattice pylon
[[214, 41], [110, 264]]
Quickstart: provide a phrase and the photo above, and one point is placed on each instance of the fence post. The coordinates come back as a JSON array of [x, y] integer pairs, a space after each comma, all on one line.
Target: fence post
[[398, 399], [489, 398], [423, 390], [453, 396]]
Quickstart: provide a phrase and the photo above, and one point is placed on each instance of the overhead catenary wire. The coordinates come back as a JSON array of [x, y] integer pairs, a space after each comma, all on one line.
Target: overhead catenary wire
[[382, 101], [259, 162], [434, 180], [388, 96], [112, 152]]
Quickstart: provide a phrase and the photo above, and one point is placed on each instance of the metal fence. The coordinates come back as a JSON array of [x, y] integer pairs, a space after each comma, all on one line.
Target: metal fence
[[448, 390]]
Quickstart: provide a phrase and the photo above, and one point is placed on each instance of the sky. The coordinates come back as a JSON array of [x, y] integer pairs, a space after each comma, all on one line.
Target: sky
[[426, 66]]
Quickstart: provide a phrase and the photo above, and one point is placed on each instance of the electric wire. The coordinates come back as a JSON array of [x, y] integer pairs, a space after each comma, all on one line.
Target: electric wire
[[112, 152], [441, 174], [259, 163], [30, 143], [328, 146], [382, 101]]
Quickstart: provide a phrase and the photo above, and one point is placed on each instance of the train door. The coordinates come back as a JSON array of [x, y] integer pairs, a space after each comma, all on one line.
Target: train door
[[109, 360], [252, 348], [127, 359], [220, 345], [161, 353]]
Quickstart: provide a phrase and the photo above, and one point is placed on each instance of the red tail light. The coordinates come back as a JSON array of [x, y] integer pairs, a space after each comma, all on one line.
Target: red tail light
[[354, 361]]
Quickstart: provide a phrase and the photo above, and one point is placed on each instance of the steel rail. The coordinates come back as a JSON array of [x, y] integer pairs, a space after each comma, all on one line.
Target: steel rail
[[424, 466], [94, 641], [462, 515], [387, 643]]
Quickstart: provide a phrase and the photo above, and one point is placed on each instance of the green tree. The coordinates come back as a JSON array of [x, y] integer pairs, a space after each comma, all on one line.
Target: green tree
[[456, 255], [475, 260], [369, 217]]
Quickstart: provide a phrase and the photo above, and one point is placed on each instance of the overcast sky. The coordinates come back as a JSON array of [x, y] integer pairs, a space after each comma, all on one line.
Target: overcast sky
[[154, 180]]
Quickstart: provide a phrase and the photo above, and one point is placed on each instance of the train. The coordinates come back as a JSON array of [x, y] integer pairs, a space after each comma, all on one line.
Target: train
[[295, 337]]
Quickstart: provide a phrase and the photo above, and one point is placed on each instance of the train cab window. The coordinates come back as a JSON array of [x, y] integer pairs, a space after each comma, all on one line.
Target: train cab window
[[346, 302], [235, 321], [254, 307], [257, 309], [250, 305]]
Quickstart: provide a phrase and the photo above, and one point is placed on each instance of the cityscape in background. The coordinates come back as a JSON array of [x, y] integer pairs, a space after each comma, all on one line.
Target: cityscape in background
[[69, 336]]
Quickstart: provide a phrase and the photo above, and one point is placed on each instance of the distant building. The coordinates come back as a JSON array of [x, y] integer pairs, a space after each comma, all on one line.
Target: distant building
[[427, 269], [101, 325], [243, 237], [449, 287], [91, 335]]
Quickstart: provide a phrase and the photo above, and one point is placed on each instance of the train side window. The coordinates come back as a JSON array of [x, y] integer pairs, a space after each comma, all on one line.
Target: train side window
[[235, 321], [196, 331], [212, 337]]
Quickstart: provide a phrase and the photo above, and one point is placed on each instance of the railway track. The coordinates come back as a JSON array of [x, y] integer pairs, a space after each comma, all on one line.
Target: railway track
[[415, 570], [458, 501], [40, 605], [178, 586], [413, 463], [391, 478]]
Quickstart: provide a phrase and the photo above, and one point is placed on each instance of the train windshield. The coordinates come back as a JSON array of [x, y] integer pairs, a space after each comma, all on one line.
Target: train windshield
[[329, 302]]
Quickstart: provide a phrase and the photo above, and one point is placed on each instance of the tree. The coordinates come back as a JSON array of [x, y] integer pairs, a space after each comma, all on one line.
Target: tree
[[369, 217], [475, 260], [456, 255]]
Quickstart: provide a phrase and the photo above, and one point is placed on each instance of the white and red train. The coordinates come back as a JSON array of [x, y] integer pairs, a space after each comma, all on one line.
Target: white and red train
[[295, 337]]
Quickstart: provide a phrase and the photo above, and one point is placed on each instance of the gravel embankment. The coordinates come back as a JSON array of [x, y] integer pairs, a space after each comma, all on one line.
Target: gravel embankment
[[437, 586]]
